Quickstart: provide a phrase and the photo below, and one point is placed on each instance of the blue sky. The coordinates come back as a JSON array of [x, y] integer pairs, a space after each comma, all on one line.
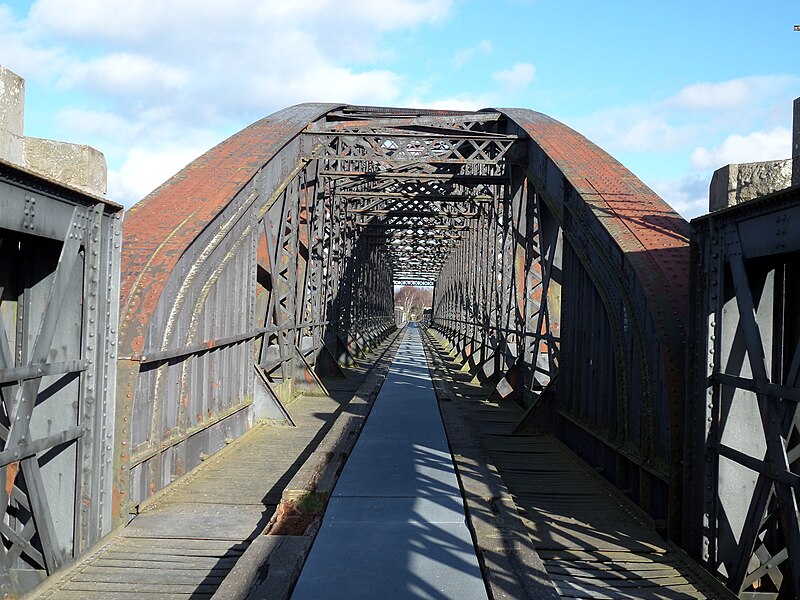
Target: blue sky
[[673, 90]]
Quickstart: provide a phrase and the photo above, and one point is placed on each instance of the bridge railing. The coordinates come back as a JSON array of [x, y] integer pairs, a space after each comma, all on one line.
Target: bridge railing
[[241, 284]]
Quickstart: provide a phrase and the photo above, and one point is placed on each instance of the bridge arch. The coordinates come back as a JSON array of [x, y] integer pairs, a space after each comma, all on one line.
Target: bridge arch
[[271, 259]]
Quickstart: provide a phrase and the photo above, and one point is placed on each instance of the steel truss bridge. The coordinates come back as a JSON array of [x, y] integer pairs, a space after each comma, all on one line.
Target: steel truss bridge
[[131, 351]]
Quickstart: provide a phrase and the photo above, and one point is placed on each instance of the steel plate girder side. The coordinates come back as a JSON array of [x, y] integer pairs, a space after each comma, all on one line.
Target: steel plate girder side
[[152, 246], [742, 429], [21, 410], [206, 236], [54, 369]]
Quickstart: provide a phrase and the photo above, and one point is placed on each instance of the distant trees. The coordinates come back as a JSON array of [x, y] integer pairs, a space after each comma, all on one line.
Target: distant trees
[[413, 300]]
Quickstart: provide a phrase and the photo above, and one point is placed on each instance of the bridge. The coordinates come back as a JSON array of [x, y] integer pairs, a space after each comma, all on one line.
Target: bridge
[[182, 388]]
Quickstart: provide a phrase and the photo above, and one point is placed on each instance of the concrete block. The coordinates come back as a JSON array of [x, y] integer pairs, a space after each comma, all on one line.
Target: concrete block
[[735, 184], [12, 107], [75, 165]]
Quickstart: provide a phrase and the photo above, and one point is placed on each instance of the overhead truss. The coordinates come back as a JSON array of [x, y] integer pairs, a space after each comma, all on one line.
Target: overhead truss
[[412, 181]]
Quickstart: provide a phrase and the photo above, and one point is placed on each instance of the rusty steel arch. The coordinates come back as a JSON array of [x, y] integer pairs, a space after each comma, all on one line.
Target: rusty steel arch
[[589, 332], [558, 276], [226, 271]]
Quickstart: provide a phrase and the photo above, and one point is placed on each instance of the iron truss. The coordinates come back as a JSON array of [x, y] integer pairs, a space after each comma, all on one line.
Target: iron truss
[[59, 261], [553, 270], [411, 181], [742, 492]]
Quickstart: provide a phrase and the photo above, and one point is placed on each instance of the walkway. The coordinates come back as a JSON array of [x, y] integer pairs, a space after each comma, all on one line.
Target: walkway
[[395, 525]]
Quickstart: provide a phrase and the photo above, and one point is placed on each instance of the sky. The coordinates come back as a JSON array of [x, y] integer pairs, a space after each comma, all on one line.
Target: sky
[[674, 90]]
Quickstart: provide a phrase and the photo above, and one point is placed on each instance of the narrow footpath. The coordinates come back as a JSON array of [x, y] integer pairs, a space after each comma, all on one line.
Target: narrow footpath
[[395, 525]]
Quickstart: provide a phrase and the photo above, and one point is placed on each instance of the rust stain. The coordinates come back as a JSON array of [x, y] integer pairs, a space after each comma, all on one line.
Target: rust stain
[[519, 270], [651, 236], [12, 469], [154, 239], [116, 503]]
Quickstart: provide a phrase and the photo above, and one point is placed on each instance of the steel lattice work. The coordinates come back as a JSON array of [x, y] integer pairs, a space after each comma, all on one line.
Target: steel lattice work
[[280, 248], [570, 290]]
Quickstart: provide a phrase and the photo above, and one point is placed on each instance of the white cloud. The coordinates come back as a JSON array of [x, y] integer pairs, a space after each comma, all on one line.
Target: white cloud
[[517, 77], [773, 144], [732, 94], [79, 122], [688, 195], [169, 79], [138, 21], [125, 74], [386, 16], [700, 112], [160, 77], [205, 62], [463, 102], [465, 55], [143, 170], [326, 83], [635, 129], [152, 85], [22, 52], [651, 133]]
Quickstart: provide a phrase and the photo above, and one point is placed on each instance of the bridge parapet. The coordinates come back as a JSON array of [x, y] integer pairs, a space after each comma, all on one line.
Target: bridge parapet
[[741, 490], [625, 262], [596, 267]]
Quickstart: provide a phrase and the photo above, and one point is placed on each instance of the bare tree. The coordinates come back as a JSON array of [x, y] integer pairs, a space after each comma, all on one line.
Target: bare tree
[[413, 300]]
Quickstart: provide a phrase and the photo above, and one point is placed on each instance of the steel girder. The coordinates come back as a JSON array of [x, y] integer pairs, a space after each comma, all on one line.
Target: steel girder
[[220, 302], [243, 280], [411, 180], [743, 425], [59, 276], [624, 287]]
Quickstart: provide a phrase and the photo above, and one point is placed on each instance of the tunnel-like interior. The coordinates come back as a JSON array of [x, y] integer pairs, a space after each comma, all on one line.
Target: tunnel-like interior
[[271, 260]]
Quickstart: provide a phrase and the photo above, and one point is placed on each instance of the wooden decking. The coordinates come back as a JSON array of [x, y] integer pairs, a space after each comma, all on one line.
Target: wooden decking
[[592, 543], [187, 539]]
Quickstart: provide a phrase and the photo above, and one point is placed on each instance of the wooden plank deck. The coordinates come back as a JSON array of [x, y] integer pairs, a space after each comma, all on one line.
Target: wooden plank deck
[[188, 538], [592, 544]]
